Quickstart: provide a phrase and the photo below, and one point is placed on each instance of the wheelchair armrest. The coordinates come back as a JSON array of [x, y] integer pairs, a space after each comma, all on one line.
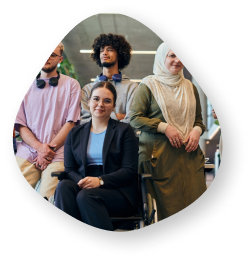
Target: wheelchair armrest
[[145, 176], [60, 175]]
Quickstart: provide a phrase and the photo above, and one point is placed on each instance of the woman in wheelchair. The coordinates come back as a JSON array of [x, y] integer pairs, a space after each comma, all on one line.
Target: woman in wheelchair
[[101, 162]]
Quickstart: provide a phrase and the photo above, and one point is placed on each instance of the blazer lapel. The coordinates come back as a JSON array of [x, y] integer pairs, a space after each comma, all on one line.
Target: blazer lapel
[[84, 138], [108, 138]]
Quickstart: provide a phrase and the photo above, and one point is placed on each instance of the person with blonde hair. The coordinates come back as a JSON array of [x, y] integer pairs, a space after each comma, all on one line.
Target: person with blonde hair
[[48, 111], [61, 47], [166, 109]]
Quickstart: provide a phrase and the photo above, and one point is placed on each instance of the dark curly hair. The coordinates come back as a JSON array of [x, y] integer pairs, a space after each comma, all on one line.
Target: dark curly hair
[[116, 41]]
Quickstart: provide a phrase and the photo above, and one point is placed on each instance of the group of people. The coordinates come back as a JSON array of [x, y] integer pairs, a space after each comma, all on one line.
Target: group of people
[[88, 135]]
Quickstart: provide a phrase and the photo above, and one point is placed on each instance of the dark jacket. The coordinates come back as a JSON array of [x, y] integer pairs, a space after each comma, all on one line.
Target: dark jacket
[[120, 157]]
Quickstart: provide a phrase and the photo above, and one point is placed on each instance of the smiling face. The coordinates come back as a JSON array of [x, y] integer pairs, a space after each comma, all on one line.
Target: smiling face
[[101, 103], [172, 63], [108, 56]]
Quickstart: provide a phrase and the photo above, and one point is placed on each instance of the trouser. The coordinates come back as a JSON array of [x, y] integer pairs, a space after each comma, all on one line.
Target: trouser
[[33, 175], [92, 206]]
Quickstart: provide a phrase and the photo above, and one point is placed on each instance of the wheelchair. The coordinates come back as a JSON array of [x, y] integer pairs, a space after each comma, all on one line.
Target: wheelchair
[[147, 209]]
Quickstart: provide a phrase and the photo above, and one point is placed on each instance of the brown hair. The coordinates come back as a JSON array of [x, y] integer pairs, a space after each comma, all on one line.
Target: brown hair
[[109, 86]]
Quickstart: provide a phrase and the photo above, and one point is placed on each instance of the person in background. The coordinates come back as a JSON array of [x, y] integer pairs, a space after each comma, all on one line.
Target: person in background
[[47, 113], [112, 53], [101, 161], [220, 143], [166, 109]]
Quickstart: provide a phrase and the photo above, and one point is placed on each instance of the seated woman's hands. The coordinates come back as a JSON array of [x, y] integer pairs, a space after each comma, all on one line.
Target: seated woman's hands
[[192, 140], [174, 137], [89, 183]]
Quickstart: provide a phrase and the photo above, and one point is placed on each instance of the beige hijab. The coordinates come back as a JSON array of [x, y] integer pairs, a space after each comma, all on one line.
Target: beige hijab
[[173, 93]]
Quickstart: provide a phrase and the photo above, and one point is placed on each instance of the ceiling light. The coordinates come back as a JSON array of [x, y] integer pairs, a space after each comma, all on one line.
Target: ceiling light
[[85, 51]]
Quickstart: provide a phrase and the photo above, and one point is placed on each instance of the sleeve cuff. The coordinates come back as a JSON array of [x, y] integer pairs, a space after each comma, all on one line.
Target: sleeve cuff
[[17, 123], [198, 129], [162, 127]]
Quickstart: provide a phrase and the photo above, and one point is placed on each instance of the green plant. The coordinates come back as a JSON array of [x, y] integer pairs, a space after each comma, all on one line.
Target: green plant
[[66, 68], [217, 122]]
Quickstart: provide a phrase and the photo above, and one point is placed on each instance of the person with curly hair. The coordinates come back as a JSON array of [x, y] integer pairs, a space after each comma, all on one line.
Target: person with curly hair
[[112, 53]]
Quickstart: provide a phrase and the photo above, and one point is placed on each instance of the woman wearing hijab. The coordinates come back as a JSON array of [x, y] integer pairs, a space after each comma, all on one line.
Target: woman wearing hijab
[[166, 109]]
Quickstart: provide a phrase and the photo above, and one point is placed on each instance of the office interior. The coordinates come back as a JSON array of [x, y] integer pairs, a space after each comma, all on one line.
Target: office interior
[[144, 44]]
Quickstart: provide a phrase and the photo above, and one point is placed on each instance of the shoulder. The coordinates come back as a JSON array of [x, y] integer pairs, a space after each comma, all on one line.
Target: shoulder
[[119, 124], [116, 124], [144, 89], [143, 86], [32, 90], [195, 90], [126, 81], [190, 86], [66, 78], [88, 87], [122, 127], [77, 129], [70, 81]]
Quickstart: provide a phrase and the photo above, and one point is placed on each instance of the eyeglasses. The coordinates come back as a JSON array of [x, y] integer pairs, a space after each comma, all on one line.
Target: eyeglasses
[[54, 55], [97, 100]]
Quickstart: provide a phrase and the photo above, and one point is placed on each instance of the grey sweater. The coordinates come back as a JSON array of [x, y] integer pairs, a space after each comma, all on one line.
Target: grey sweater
[[126, 90]]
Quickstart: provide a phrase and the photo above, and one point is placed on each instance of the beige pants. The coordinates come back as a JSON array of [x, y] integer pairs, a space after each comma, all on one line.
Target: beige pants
[[33, 175]]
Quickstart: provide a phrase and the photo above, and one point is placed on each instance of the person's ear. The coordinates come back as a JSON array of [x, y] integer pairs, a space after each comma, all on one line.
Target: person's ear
[[114, 105], [61, 59]]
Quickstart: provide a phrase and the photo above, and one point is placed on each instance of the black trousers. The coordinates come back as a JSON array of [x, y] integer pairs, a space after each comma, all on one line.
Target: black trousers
[[92, 206]]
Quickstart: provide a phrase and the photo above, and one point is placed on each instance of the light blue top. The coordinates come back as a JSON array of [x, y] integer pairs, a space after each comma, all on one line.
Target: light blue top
[[95, 148]]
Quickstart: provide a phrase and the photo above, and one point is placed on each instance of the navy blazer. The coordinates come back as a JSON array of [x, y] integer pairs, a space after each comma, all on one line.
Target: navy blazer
[[119, 155]]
